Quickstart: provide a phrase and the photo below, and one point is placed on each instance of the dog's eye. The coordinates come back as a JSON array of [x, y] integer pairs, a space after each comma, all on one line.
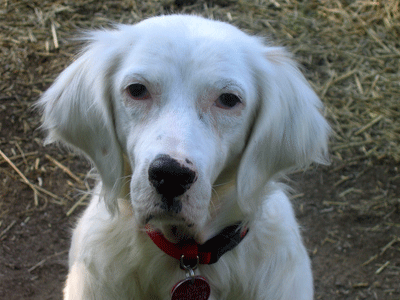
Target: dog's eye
[[138, 91], [227, 101]]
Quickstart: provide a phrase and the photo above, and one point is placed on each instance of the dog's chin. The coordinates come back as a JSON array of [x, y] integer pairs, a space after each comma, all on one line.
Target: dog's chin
[[176, 233], [173, 229]]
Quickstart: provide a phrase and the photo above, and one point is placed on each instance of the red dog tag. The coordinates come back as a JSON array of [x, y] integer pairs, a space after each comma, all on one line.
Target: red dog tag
[[191, 288]]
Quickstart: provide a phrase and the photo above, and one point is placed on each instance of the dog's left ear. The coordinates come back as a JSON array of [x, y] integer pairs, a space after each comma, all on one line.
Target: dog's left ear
[[289, 130]]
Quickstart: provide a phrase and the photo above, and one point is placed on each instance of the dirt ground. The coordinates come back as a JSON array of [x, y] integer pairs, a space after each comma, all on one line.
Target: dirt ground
[[349, 211]]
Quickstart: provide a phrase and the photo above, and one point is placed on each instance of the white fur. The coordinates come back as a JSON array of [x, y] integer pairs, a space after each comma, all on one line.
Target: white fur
[[186, 63]]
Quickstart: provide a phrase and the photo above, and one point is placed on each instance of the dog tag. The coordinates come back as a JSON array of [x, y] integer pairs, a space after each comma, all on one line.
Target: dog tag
[[191, 288]]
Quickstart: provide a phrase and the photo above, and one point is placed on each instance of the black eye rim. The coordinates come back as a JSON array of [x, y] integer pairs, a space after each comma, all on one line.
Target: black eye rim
[[138, 91], [228, 101]]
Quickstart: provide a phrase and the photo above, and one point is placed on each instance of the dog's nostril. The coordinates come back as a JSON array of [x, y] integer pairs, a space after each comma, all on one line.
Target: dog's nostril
[[169, 177]]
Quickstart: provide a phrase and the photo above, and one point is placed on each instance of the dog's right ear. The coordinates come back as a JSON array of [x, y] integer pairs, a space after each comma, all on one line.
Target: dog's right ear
[[289, 131], [77, 110]]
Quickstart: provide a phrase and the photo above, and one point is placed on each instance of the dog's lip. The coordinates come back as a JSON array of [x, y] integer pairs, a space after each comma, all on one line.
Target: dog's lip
[[163, 219]]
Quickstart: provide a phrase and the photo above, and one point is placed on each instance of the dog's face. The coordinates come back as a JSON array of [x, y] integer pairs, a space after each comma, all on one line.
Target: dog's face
[[183, 107], [191, 105]]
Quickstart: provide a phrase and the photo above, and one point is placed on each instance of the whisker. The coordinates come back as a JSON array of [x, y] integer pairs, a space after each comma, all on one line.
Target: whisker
[[224, 183]]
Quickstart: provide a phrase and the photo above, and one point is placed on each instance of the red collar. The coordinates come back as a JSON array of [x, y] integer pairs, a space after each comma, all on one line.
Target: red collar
[[194, 253]]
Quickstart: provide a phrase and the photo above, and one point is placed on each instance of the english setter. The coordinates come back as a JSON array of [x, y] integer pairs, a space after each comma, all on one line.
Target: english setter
[[189, 122]]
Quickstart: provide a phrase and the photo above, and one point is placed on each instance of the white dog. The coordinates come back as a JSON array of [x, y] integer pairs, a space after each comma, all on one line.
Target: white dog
[[189, 122]]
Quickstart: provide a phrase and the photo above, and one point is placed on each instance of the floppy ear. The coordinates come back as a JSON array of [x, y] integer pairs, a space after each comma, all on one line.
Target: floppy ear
[[289, 130], [78, 111]]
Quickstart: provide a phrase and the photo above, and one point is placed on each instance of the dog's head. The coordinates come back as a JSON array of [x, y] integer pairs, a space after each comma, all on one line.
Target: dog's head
[[187, 109]]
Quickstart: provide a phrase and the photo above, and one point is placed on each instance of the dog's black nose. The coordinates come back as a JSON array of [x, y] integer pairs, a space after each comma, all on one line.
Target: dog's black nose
[[169, 177]]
